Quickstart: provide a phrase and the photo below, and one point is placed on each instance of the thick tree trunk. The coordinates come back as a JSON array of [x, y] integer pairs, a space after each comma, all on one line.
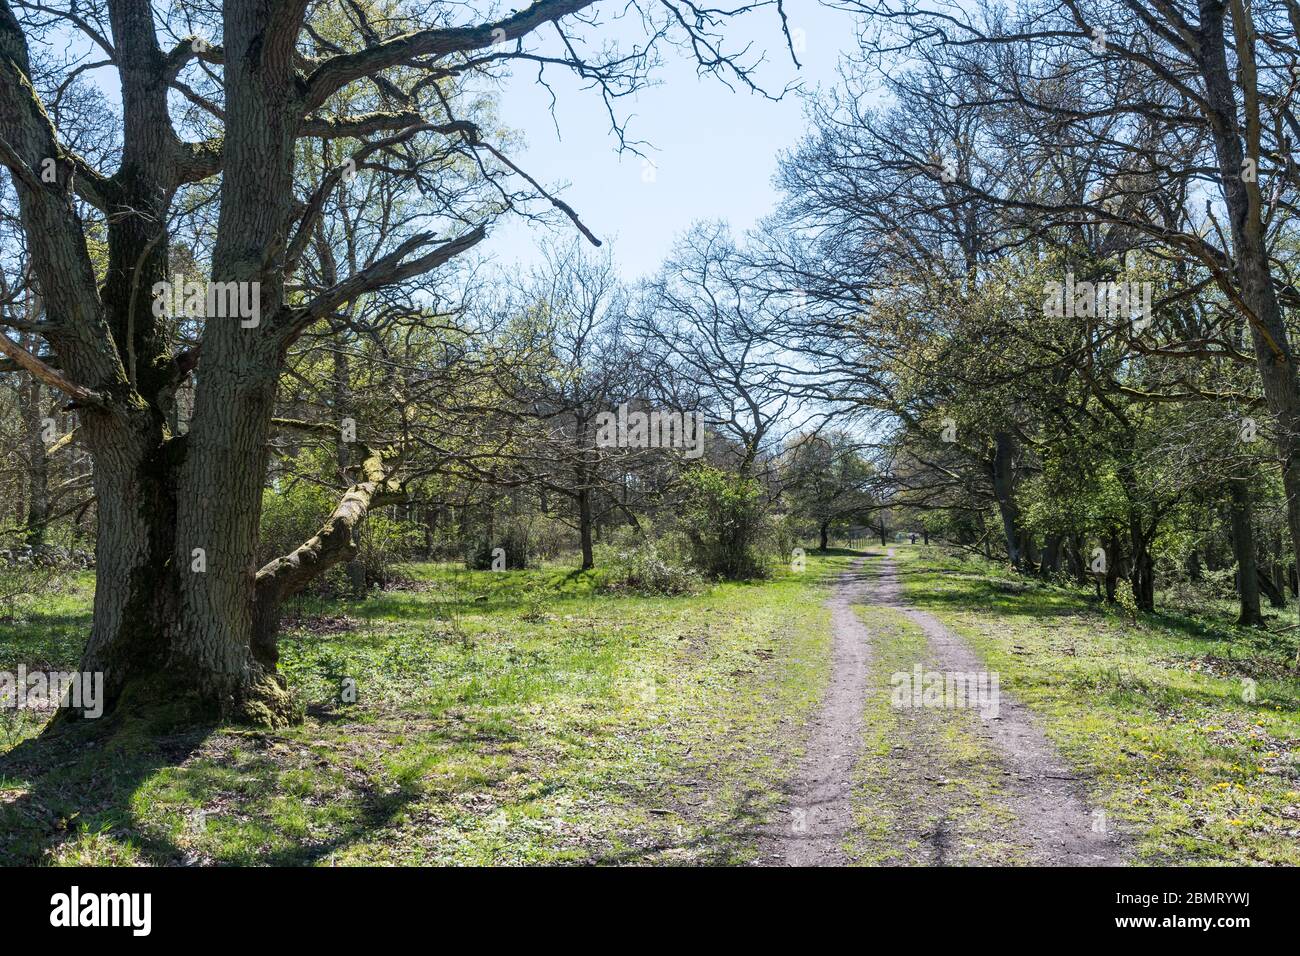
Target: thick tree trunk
[[221, 478], [1245, 203], [220, 491], [135, 575], [825, 536]]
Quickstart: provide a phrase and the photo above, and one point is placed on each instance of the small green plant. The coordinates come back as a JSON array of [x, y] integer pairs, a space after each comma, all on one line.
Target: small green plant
[[1124, 599], [22, 583]]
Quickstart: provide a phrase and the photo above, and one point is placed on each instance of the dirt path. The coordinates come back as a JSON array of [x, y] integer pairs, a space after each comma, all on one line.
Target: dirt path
[[1049, 821], [1046, 798], [820, 814]]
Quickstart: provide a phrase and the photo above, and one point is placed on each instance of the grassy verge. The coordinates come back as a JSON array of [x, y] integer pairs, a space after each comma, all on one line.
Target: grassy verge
[[1191, 731], [519, 717]]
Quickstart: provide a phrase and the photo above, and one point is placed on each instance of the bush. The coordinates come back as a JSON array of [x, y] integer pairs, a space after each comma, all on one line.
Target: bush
[[23, 581], [515, 539], [646, 570], [724, 523], [290, 517], [385, 544]]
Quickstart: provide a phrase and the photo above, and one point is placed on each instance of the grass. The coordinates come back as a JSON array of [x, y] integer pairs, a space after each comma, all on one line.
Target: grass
[[1189, 728], [515, 717], [531, 717]]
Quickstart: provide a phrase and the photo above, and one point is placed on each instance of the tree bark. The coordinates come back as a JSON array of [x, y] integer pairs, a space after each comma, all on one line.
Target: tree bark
[[1051, 562], [584, 525], [1245, 206], [1268, 586]]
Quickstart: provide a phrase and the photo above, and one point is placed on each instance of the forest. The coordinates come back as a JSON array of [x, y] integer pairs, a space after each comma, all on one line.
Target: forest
[[333, 532]]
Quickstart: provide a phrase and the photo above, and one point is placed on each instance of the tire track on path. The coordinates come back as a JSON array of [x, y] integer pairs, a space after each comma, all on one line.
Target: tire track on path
[[1053, 821]]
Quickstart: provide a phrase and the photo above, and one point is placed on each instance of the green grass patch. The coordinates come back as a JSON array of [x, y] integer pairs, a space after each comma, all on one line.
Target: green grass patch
[[513, 717]]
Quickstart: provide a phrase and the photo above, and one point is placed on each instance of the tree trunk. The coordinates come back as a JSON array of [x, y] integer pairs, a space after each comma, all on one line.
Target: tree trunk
[[584, 526], [825, 536], [1004, 491], [1142, 566], [1243, 547], [1276, 597], [1245, 204], [38, 483], [1112, 572], [1051, 562]]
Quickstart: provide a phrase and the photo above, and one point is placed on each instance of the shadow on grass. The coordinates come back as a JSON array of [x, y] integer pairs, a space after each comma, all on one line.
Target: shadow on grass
[[724, 843], [45, 640], [84, 780]]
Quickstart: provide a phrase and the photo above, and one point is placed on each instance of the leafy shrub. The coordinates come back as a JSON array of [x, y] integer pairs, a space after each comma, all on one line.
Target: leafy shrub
[[515, 538], [291, 516], [646, 570], [1125, 600], [385, 544], [724, 523]]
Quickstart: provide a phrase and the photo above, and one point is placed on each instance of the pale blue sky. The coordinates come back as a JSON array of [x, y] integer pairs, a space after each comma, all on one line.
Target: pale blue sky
[[714, 149]]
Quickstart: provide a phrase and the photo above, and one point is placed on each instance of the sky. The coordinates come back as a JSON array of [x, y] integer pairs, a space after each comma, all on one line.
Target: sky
[[714, 150]]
